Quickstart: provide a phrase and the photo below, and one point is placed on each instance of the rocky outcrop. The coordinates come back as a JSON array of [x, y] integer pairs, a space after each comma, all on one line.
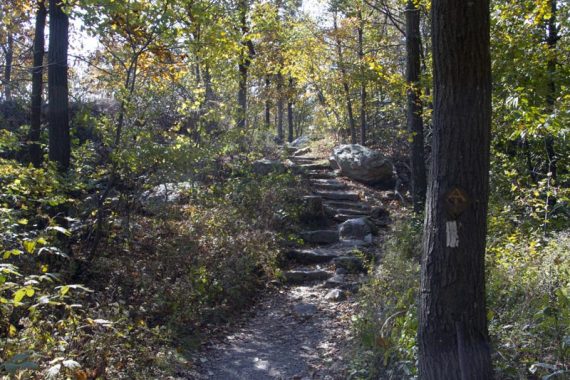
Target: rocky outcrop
[[266, 166], [362, 164], [165, 193]]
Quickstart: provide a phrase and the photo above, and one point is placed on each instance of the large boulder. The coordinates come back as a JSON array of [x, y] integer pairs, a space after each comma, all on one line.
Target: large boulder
[[362, 164], [166, 193], [355, 229], [266, 166], [300, 142]]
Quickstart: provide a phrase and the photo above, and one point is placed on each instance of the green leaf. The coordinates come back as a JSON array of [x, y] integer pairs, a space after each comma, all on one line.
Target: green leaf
[[29, 245], [64, 290], [12, 252], [19, 295]]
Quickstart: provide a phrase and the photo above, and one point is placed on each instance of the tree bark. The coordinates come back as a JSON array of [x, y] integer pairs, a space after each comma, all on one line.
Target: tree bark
[[452, 334], [362, 79], [243, 67], [267, 103], [551, 40], [9, 52], [37, 85], [280, 132], [414, 106], [58, 92], [291, 132], [345, 84]]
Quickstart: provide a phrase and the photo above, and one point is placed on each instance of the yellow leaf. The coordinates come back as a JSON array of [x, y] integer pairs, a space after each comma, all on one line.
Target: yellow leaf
[[19, 295], [29, 245], [12, 331]]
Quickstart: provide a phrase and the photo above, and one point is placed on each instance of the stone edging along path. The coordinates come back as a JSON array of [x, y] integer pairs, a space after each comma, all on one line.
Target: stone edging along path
[[302, 330]]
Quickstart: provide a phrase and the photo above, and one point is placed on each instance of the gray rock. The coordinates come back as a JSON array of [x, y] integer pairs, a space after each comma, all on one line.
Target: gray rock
[[300, 142], [341, 271], [320, 236], [354, 229], [339, 195], [337, 281], [309, 256], [266, 166], [336, 295], [162, 194], [305, 310], [302, 276], [362, 164], [302, 151]]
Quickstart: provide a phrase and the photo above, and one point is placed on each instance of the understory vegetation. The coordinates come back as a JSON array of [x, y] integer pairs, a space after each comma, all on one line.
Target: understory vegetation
[[145, 226], [165, 274]]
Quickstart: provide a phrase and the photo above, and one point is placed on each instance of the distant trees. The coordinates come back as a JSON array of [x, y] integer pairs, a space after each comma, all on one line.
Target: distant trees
[[58, 91], [452, 336]]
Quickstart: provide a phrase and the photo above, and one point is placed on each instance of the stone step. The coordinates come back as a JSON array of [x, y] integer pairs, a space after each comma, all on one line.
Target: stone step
[[347, 211], [309, 256], [303, 159], [338, 195], [320, 236], [340, 281], [320, 174], [330, 186], [343, 217], [301, 276], [348, 205], [301, 152], [315, 166]]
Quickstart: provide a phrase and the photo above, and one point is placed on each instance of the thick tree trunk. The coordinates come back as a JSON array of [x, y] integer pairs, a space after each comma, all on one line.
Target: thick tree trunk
[[291, 132], [9, 52], [452, 335], [37, 86], [414, 109], [59, 141], [345, 84], [280, 132], [362, 79]]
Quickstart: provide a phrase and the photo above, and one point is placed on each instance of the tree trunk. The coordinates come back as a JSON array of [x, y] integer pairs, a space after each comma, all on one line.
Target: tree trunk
[[414, 109], [37, 86], [345, 85], [551, 40], [59, 141], [291, 132], [452, 334], [242, 96], [362, 79], [267, 103], [9, 52], [280, 133], [246, 57]]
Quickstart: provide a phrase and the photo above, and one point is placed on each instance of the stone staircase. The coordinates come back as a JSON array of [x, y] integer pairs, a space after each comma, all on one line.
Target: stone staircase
[[333, 254]]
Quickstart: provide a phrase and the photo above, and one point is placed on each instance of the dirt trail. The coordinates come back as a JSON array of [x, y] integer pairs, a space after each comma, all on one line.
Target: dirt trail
[[302, 330]]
